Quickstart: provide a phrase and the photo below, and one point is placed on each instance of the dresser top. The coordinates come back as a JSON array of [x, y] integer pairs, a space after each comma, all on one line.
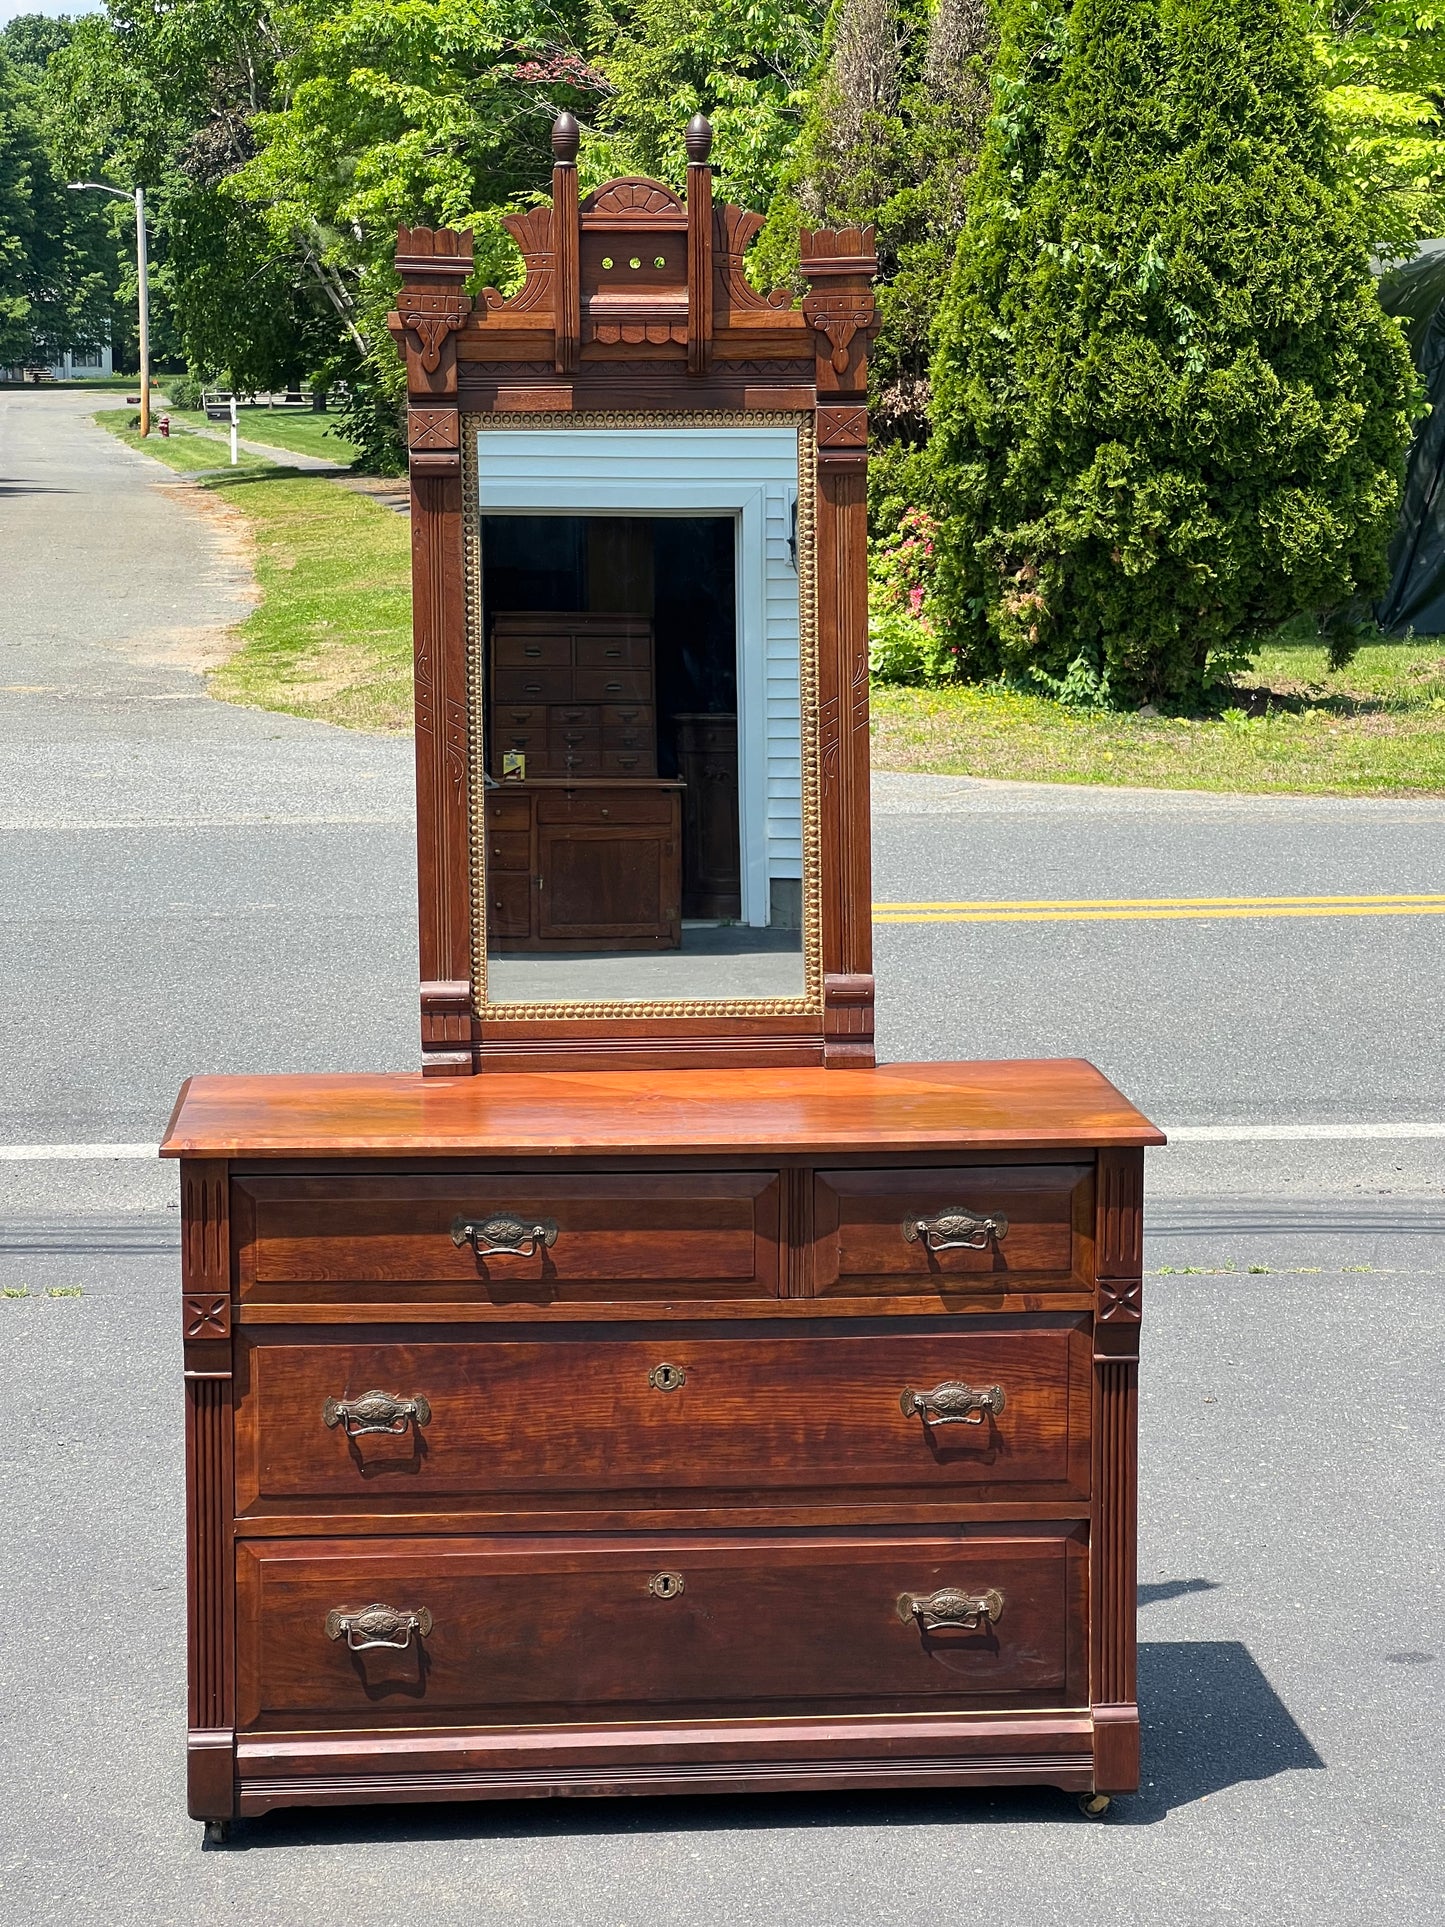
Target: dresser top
[[1057, 1103]]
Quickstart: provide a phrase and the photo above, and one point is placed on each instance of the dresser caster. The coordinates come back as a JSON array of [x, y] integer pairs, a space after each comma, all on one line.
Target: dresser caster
[[216, 1833], [1094, 1806]]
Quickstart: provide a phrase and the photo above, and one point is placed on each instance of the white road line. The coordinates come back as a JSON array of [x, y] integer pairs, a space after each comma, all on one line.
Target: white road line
[[1177, 1134], [1296, 1133], [45, 1153]]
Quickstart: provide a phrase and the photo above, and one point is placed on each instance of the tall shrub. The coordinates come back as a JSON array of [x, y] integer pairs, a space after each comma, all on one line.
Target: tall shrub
[[1169, 412]]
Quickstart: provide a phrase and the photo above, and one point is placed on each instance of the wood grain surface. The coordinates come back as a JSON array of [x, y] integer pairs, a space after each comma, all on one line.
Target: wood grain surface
[[808, 1418], [557, 1629], [1050, 1104]]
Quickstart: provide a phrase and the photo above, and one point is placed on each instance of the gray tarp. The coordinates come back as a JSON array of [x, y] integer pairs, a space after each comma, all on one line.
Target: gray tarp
[[1415, 598]]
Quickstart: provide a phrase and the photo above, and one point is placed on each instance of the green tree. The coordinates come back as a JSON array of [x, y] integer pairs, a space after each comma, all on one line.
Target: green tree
[[1168, 410], [1385, 93], [895, 120]]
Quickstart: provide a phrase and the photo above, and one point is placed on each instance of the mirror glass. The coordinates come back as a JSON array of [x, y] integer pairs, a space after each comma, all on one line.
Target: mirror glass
[[638, 665]]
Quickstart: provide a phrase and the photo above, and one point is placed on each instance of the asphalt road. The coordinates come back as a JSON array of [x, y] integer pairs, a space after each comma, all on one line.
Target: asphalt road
[[185, 886]]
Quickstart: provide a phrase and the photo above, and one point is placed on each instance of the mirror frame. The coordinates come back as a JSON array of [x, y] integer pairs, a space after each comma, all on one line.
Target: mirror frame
[[693, 351]]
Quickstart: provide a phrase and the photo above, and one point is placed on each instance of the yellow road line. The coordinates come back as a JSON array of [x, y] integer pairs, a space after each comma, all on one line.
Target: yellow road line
[[1155, 909]]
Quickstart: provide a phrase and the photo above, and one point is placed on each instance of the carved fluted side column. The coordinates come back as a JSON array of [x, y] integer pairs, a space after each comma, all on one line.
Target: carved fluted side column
[[839, 309], [1118, 1312], [433, 304], [206, 1334]]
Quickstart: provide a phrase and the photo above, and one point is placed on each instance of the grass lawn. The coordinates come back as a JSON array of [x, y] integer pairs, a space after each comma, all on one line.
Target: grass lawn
[[1375, 728], [331, 637], [297, 430]]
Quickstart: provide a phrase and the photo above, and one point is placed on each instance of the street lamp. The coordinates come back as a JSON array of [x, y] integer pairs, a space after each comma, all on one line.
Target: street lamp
[[142, 284]]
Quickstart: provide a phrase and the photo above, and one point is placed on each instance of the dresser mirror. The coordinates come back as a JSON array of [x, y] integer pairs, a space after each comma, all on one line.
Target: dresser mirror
[[641, 784], [639, 582]]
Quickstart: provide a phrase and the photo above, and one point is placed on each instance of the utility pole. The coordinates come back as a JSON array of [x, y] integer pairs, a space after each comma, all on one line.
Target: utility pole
[[143, 288]]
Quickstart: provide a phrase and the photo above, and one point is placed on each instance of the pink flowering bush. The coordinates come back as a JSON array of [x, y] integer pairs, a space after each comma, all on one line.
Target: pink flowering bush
[[903, 644]]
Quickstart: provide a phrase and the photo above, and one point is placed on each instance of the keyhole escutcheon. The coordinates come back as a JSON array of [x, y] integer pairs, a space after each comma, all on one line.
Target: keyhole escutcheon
[[666, 1378], [666, 1585]]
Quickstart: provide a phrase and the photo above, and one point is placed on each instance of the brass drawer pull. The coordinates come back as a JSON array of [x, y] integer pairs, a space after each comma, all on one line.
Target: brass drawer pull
[[378, 1626], [953, 1403], [504, 1234], [954, 1229], [376, 1412], [950, 1607]]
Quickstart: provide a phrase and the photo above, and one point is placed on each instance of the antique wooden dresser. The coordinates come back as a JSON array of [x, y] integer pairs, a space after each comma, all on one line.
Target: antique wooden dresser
[[653, 1394]]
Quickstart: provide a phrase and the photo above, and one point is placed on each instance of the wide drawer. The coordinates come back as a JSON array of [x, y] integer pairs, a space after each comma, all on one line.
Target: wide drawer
[[612, 685], [928, 1229], [532, 685], [660, 1235], [543, 1631], [608, 805], [683, 1415]]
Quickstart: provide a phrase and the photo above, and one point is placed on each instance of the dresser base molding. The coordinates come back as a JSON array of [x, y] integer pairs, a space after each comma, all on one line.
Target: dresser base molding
[[727, 1757]]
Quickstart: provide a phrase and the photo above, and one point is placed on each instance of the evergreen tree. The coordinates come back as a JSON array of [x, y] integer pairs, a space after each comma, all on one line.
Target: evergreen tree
[[894, 122], [1169, 412]]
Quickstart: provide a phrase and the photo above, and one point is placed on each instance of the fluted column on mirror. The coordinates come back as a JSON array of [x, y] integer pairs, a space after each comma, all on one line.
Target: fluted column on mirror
[[431, 308]]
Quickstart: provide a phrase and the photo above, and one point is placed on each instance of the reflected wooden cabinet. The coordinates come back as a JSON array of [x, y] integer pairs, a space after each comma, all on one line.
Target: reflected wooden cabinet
[[584, 865], [573, 693], [707, 762]]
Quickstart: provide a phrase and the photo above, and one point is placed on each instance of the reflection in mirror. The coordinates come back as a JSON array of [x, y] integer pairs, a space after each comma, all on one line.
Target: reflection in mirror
[[642, 784]]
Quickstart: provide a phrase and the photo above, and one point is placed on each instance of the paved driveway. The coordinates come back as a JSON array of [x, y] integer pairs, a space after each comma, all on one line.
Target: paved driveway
[[185, 886]]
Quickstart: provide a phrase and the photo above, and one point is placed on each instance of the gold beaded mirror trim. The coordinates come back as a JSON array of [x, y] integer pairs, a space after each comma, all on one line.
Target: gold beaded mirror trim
[[811, 1001]]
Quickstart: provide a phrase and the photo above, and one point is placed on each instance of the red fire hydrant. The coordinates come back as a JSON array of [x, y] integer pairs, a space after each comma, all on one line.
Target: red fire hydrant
[[164, 425]]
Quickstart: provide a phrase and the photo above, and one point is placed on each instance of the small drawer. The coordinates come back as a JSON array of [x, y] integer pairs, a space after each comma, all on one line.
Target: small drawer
[[532, 685], [509, 904], [610, 806], [627, 762], [614, 652], [484, 1631], [612, 686], [550, 1414], [968, 1228], [649, 1235], [509, 850], [531, 742], [575, 762], [628, 739], [564, 736], [529, 652], [574, 716], [519, 716], [636, 716], [508, 811]]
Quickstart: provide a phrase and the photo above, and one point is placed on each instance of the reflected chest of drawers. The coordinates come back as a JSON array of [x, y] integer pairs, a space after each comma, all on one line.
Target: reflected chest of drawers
[[614, 1433]]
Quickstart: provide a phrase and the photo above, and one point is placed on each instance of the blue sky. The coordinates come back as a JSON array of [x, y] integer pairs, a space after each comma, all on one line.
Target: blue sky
[[9, 8]]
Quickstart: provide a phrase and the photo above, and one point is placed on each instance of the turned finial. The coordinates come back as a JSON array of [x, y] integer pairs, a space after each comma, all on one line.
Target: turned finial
[[566, 138], [698, 138]]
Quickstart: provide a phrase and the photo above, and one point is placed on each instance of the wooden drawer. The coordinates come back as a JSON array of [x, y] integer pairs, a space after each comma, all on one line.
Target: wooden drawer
[[574, 716], [508, 810], [607, 806], [532, 685], [636, 716], [509, 850], [541, 1631], [701, 1414], [531, 742], [659, 1235], [509, 902], [628, 739], [526, 652], [564, 736], [860, 1246], [575, 762], [612, 685], [607, 652], [627, 762], [520, 716]]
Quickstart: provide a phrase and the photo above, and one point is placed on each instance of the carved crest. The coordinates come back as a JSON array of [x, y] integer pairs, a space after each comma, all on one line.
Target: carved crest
[[632, 195]]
